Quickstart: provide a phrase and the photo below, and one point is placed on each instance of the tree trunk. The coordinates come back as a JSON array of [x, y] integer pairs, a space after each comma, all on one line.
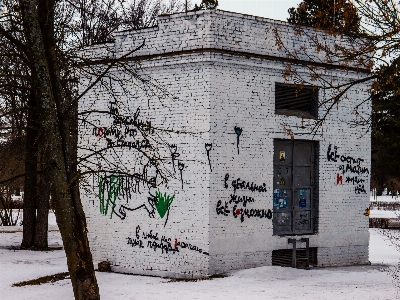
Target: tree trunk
[[42, 222], [38, 22], [31, 161], [42, 205]]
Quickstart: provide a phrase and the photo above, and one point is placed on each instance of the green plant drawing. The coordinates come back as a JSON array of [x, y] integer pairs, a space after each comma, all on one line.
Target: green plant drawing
[[109, 188], [163, 203]]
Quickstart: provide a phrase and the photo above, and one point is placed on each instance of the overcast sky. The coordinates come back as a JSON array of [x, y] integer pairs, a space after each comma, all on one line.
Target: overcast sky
[[273, 9]]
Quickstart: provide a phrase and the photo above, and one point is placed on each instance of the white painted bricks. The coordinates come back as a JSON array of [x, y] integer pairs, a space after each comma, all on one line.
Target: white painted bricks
[[193, 101]]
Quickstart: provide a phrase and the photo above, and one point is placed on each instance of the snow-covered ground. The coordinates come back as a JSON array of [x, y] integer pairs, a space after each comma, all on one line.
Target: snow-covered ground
[[385, 198], [377, 281], [375, 213], [18, 214], [380, 280], [381, 213]]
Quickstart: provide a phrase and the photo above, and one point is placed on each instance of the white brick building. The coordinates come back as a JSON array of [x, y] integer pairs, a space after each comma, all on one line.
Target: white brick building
[[204, 102]]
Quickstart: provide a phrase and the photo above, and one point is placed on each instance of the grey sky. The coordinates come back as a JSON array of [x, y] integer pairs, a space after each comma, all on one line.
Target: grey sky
[[273, 9]]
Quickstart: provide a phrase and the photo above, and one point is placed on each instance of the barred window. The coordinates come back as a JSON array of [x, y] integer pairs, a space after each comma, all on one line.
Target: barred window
[[295, 100]]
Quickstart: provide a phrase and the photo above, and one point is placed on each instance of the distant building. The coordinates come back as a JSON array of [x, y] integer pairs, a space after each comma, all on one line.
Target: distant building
[[226, 171]]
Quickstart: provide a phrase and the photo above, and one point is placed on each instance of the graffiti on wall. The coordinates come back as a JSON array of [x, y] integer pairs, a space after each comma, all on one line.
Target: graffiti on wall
[[239, 184], [238, 132], [109, 188], [119, 193], [110, 191], [174, 156], [123, 187], [349, 168], [125, 131], [181, 166], [237, 206], [162, 203], [160, 242], [129, 130], [208, 147], [339, 179], [129, 120]]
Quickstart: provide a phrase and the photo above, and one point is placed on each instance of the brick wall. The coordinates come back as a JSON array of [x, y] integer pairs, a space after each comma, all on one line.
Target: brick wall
[[205, 82]]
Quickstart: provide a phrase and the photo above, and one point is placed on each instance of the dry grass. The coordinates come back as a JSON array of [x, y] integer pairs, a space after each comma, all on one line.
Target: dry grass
[[44, 279]]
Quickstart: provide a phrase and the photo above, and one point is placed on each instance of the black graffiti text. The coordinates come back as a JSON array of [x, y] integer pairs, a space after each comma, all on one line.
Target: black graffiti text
[[130, 120], [150, 235], [189, 246], [165, 247], [357, 169], [350, 159], [135, 242], [166, 240], [241, 199], [360, 189], [332, 155], [138, 232], [226, 185], [113, 108], [222, 209], [251, 213], [354, 180], [164, 243], [245, 185], [138, 144], [349, 165], [114, 132]]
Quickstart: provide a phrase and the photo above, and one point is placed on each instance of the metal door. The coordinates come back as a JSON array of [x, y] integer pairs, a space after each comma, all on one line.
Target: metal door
[[293, 187]]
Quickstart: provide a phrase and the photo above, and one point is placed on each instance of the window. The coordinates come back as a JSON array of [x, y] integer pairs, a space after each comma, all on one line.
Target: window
[[295, 204], [294, 100]]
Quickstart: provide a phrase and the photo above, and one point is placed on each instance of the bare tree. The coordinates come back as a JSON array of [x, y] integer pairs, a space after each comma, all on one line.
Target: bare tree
[[77, 24], [374, 47], [38, 23], [49, 45]]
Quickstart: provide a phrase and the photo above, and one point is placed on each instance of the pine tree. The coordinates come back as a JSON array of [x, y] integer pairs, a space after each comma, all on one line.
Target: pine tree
[[386, 128], [207, 4], [336, 16]]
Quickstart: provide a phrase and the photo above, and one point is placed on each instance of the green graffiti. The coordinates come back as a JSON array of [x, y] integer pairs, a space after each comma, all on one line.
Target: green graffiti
[[163, 203], [109, 188]]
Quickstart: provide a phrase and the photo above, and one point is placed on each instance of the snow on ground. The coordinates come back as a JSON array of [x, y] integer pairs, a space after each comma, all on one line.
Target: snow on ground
[[377, 281], [390, 214], [384, 247], [52, 219], [381, 213], [385, 198], [354, 282], [17, 215]]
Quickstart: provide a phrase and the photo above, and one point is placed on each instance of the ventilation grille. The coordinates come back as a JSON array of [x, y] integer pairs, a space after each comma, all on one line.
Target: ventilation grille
[[294, 97], [283, 257]]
